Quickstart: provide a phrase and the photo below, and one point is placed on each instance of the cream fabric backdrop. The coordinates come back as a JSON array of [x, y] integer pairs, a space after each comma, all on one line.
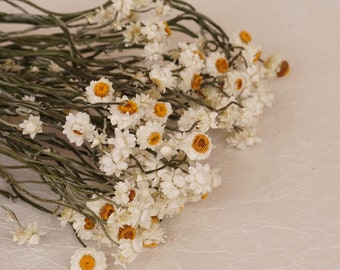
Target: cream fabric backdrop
[[279, 204]]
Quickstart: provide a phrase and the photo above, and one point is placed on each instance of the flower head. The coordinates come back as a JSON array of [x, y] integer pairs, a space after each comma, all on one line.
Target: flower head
[[88, 259], [150, 135], [29, 235], [197, 146], [31, 126], [78, 128], [99, 91]]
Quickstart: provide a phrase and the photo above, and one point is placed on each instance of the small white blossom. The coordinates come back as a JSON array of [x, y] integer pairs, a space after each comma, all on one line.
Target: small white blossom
[[197, 146], [78, 128], [162, 77], [113, 162], [150, 135], [123, 142], [32, 126], [99, 91], [125, 115], [127, 251], [242, 138], [29, 235], [88, 258]]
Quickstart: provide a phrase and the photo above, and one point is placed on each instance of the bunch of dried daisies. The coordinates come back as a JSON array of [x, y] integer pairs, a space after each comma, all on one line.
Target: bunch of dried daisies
[[113, 113]]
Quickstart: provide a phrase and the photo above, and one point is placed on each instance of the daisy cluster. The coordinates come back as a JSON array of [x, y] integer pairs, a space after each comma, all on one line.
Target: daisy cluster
[[148, 128]]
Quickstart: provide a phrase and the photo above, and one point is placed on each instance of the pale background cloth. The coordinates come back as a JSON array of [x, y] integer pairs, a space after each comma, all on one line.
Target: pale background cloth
[[279, 204]]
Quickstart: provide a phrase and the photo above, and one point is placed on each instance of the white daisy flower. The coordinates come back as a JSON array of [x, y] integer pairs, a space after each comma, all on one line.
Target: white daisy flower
[[153, 51], [162, 77], [200, 118], [150, 135], [153, 236], [159, 111], [197, 145], [123, 142], [88, 259], [78, 128], [154, 30], [113, 163], [241, 139], [99, 91], [124, 193], [216, 64], [31, 126], [201, 179], [98, 139], [141, 213], [125, 115], [190, 57], [173, 184], [29, 235], [65, 216], [128, 251], [85, 228], [103, 208], [132, 34], [167, 208]]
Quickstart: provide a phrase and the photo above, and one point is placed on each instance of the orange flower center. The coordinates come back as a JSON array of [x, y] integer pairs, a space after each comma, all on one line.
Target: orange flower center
[[126, 232], [150, 245], [154, 138], [204, 196], [89, 224], [167, 29], [87, 262], [222, 65], [101, 89], [132, 195], [160, 109], [106, 211], [257, 56], [129, 107], [284, 69], [201, 56], [200, 143], [196, 82], [154, 219], [238, 84], [245, 37]]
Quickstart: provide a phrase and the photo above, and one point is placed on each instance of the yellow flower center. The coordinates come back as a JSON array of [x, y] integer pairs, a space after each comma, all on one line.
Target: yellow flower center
[[106, 211], [167, 29], [89, 224], [126, 232], [204, 196], [129, 107], [196, 82], [284, 69], [150, 245], [200, 143], [87, 262], [160, 109], [222, 65], [245, 37], [257, 56], [154, 138], [132, 195], [101, 89], [238, 84]]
